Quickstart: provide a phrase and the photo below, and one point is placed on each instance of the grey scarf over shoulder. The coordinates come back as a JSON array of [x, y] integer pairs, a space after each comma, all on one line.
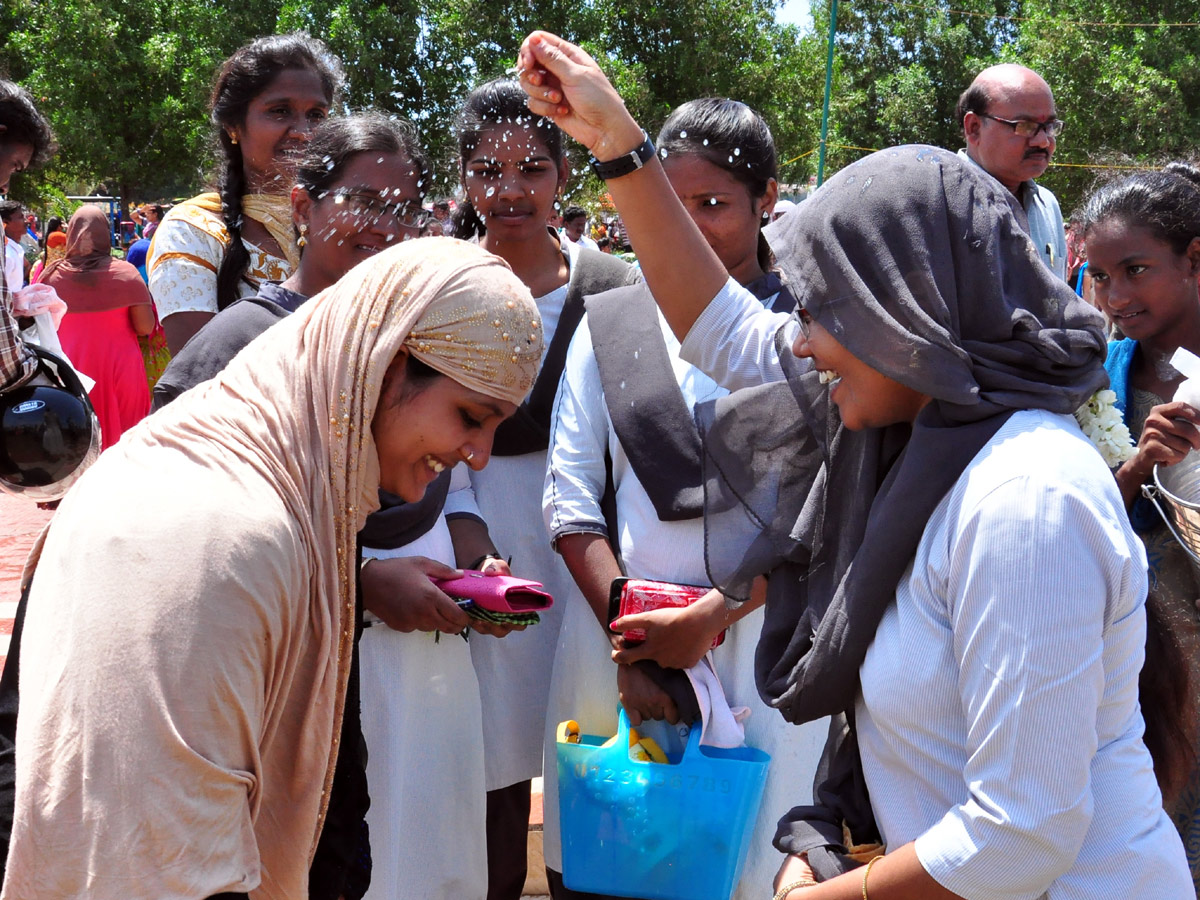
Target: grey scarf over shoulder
[[920, 266]]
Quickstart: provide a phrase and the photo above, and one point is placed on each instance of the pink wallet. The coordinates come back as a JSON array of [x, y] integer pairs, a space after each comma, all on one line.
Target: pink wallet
[[497, 593]]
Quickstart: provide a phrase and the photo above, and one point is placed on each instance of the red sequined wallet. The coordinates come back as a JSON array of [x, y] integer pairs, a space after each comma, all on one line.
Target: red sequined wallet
[[635, 595]]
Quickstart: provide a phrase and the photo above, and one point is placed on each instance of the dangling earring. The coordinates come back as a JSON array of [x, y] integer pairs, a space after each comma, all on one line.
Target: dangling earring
[[233, 138], [302, 240]]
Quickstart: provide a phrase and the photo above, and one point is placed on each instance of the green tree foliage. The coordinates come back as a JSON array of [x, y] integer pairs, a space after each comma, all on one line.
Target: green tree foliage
[[659, 55], [125, 85], [900, 70], [395, 60], [125, 82], [1130, 96]]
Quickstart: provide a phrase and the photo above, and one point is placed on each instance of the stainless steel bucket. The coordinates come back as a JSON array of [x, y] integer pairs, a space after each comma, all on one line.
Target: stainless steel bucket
[[1179, 487]]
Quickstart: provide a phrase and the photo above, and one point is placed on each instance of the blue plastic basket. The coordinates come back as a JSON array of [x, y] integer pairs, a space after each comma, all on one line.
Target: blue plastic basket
[[662, 832]]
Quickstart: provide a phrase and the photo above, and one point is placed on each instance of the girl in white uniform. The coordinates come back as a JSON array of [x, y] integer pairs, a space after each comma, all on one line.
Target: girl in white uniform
[[626, 403], [513, 167], [422, 724]]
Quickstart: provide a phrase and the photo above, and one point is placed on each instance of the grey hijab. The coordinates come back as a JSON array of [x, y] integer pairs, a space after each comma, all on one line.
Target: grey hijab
[[919, 265]]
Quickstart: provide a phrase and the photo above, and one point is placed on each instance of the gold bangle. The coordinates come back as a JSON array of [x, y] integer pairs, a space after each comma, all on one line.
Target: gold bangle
[[866, 874], [791, 886]]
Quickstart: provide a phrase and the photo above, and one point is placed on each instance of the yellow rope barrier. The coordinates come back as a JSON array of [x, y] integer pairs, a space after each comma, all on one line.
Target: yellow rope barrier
[[801, 156], [1067, 165]]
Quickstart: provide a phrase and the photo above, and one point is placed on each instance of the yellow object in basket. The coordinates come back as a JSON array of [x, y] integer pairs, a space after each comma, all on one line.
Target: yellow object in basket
[[633, 739], [568, 732], [647, 750]]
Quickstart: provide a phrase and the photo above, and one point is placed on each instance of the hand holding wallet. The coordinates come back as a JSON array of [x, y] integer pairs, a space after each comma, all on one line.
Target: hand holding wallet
[[634, 595], [503, 599]]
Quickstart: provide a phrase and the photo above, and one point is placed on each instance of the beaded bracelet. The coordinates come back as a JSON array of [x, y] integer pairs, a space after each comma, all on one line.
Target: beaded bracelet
[[791, 886]]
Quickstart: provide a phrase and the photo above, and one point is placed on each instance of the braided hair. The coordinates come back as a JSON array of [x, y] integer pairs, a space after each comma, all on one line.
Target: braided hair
[[241, 78]]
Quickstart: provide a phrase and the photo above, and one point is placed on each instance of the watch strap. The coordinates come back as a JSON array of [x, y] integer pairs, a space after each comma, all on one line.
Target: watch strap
[[623, 165]]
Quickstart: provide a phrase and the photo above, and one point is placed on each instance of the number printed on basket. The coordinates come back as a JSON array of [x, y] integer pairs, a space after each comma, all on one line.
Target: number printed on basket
[[607, 775]]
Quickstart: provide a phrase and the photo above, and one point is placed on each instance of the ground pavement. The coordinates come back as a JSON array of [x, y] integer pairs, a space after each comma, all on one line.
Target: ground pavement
[[20, 524]]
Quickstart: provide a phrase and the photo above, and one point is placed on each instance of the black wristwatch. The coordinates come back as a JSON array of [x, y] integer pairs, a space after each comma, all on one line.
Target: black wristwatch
[[623, 165]]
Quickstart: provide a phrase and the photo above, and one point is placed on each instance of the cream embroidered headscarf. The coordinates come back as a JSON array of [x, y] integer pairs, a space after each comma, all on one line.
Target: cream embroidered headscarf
[[190, 626]]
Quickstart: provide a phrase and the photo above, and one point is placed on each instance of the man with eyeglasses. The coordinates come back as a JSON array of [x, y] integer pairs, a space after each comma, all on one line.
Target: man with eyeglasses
[[1011, 125]]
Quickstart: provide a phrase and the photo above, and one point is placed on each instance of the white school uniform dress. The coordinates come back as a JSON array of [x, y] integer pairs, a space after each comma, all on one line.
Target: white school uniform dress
[[421, 719], [584, 683], [514, 671]]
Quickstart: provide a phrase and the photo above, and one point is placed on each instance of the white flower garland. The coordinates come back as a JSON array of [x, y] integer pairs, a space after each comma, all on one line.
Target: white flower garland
[[1104, 426]]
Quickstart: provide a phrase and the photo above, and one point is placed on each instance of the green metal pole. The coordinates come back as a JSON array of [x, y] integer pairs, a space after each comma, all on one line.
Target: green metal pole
[[828, 89]]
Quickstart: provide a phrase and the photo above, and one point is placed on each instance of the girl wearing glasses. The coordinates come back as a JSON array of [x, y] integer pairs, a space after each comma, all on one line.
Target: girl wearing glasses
[[951, 563], [221, 246], [339, 219]]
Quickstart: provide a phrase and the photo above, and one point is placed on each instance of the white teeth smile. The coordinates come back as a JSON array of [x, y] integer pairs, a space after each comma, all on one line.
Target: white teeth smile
[[435, 464], [825, 376]]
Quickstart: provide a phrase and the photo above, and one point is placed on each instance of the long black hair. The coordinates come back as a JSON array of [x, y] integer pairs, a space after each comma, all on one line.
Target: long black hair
[[23, 124], [731, 136], [340, 139], [1166, 203], [241, 78], [53, 224], [490, 104]]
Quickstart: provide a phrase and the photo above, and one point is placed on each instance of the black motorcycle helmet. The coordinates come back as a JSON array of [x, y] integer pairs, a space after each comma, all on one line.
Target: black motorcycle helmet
[[48, 433]]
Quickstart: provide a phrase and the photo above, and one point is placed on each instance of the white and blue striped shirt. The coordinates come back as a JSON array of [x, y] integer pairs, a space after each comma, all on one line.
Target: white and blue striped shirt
[[998, 721]]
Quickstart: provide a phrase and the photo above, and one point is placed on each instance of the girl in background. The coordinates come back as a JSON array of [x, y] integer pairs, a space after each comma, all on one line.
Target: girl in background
[[54, 246], [108, 307], [1143, 248], [218, 247]]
